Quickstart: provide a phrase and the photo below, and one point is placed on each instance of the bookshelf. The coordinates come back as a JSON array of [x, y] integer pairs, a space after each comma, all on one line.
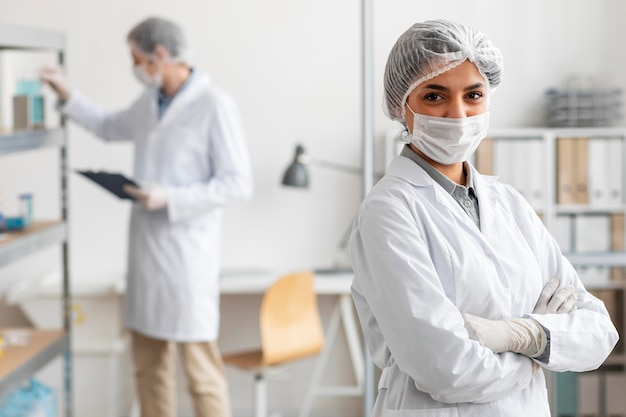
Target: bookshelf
[[20, 362]]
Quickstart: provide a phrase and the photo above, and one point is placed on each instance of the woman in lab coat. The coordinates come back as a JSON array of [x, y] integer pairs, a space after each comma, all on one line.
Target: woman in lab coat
[[191, 159], [462, 294]]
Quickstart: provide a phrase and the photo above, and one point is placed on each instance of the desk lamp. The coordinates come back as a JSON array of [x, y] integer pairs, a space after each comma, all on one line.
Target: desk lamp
[[297, 175]]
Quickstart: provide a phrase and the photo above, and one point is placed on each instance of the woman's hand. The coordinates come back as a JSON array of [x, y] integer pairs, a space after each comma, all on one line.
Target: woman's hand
[[524, 336], [552, 301]]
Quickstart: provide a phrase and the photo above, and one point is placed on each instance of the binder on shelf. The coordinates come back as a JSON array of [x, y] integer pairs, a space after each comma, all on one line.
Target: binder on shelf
[[615, 388], [618, 244], [614, 164], [508, 163], [613, 302], [594, 275], [572, 171], [588, 400], [599, 171], [592, 233], [563, 233], [566, 394], [589, 390], [518, 160], [609, 300], [566, 182], [484, 157], [532, 169], [581, 168]]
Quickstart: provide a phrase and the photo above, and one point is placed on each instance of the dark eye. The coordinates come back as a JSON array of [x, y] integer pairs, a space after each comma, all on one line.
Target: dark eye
[[474, 95], [432, 97]]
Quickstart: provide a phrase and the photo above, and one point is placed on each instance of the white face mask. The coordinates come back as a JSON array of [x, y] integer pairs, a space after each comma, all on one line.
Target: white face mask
[[447, 140], [152, 81]]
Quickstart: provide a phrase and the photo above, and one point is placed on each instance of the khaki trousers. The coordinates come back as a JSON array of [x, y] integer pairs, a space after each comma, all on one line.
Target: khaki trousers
[[155, 377]]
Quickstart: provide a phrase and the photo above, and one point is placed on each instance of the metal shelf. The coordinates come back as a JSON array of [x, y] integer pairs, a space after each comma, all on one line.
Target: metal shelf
[[18, 363], [18, 37], [15, 245], [557, 132], [588, 209], [597, 259], [11, 142]]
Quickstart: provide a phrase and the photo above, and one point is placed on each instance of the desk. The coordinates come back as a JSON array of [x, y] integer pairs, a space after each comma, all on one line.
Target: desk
[[337, 284]]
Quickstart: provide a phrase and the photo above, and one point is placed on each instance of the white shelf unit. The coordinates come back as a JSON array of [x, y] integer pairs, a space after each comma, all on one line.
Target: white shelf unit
[[19, 363], [546, 167]]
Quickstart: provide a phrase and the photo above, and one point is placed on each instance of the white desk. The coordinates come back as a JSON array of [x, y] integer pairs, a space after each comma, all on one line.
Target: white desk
[[337, 284]]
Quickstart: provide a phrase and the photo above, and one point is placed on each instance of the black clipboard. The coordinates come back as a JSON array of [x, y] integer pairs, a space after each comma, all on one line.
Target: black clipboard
[[113, 182]]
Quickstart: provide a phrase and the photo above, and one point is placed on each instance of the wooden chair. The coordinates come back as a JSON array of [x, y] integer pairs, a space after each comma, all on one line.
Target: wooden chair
[[290, 328]]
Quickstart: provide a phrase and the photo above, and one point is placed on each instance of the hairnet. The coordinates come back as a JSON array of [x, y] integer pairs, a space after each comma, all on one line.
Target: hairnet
[[157, 31], [428, 49]]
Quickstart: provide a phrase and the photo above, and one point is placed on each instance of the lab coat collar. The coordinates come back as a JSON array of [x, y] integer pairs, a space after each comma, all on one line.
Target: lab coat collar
[[197, 86], [487, 204], [406, 169], [403, 167]]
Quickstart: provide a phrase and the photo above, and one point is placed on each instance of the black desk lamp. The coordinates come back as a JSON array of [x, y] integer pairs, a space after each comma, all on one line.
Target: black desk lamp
[[297, 174]]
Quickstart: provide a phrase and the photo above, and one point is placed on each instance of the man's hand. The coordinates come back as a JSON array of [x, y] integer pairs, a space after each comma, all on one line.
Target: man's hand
[[55, 78], [152, 197]]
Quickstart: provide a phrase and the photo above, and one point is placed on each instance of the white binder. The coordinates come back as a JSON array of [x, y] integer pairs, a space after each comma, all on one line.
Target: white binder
[[599, 181]]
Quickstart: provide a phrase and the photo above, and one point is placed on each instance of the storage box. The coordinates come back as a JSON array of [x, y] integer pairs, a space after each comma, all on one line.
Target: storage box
[[28, 112]]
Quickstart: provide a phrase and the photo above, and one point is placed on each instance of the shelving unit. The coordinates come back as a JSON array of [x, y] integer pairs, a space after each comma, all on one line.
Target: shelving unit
[[552, 209], [11, 142], [18, 363]]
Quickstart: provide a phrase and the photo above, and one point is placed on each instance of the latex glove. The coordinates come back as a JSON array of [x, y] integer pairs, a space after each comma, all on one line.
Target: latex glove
[[524, 336], [55, 78], [552, 301], [151, 196]]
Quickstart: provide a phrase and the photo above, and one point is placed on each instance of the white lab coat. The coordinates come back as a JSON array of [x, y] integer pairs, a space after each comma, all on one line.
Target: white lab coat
[[419, 262], [198, 152]]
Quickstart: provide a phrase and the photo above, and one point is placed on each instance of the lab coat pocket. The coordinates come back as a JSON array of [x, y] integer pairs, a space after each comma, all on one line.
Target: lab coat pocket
[[397, 397]]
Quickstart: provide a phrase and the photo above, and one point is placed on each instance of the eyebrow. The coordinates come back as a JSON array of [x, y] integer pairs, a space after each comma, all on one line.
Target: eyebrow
[[445, 89]]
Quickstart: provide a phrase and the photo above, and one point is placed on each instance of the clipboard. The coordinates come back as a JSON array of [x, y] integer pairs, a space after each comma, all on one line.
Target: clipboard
[[113, 182]]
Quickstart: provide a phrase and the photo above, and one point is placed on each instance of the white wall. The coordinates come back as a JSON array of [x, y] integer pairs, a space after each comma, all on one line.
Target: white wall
[[294, 68]]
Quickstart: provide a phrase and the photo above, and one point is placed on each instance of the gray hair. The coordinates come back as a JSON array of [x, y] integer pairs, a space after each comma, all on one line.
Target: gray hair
[[157, 31]]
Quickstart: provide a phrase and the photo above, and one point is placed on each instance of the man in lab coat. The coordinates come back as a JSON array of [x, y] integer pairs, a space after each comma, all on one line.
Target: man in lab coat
[[190, 159]]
